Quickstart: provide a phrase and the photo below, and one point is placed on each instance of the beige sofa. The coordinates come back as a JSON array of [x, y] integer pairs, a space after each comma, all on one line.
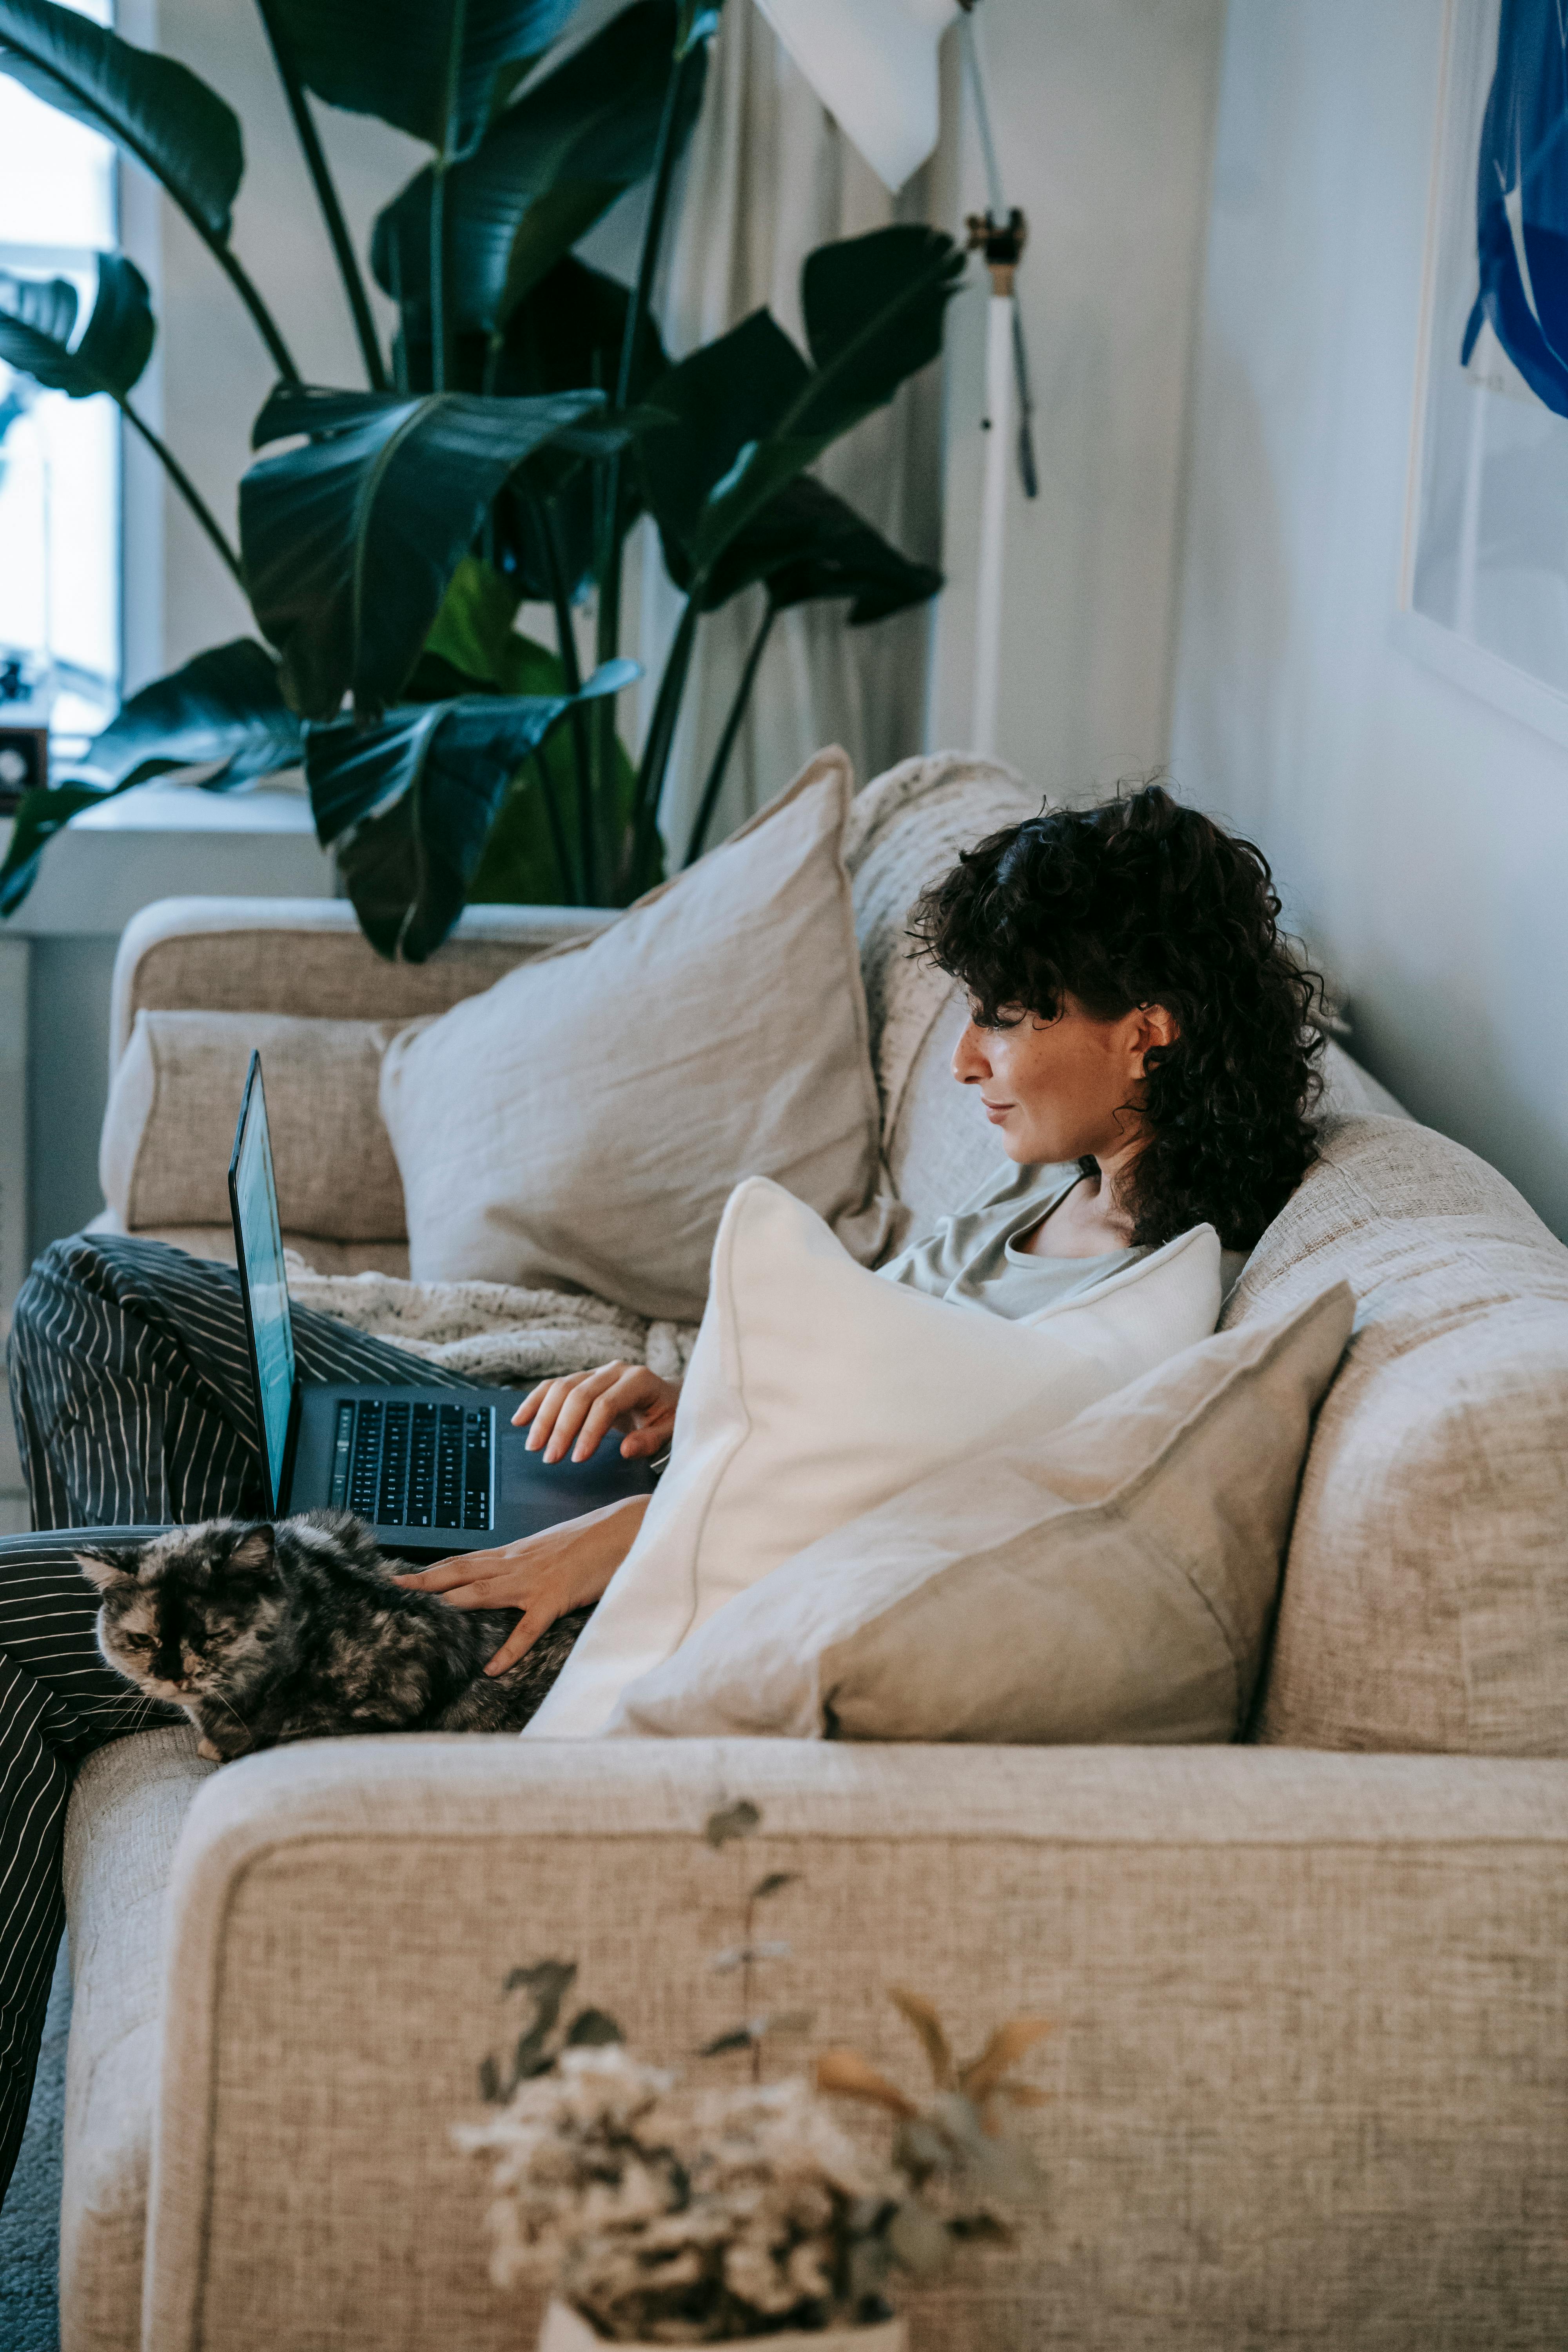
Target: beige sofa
[[1310, 2059]]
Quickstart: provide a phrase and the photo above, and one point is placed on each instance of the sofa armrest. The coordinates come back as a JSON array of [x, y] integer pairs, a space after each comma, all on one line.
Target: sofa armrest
[[309, 955], [1310, 2064]]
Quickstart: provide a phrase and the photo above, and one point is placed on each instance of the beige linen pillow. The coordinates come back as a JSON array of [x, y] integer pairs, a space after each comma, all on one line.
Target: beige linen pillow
[[817, 1391], [583, 1121], [168, 1130], [1112, 1582]]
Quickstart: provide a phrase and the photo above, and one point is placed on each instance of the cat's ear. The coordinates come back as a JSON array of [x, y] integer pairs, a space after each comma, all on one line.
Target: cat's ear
[[108, 1565], [255, 1553]]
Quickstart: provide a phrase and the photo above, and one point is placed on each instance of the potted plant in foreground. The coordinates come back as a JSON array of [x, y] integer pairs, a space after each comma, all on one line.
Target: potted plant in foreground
[[664, 2212]]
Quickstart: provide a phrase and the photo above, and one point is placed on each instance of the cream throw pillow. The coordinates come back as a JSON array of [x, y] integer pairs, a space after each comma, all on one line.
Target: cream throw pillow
[[583, 1123], [816, 1391], [1113, 1581], [168, 1130]]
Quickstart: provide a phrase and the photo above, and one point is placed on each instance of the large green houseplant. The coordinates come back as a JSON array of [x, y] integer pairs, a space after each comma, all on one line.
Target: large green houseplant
[[525, 419]]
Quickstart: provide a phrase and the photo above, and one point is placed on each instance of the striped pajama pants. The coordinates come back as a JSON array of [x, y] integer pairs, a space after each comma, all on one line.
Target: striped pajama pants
[[130, 1388]]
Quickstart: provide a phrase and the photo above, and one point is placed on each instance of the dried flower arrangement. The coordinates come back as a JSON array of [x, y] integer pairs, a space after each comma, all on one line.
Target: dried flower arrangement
[[671, 2214]]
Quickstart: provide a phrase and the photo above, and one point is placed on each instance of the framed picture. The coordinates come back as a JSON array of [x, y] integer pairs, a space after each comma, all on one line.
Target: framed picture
[[1485, 591], [23, 762]]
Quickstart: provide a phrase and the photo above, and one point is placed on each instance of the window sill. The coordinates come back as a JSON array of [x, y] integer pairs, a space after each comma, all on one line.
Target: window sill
[[171, 841]]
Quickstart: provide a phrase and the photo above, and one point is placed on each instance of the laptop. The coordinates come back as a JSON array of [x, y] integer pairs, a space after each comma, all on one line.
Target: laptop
[[434, 1470]]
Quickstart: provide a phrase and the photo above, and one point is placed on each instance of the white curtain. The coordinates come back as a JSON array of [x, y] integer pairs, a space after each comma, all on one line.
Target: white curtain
[[767, 177]]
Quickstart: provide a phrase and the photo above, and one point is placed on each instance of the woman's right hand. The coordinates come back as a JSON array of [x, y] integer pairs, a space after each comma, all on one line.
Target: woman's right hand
[[574, 1413]]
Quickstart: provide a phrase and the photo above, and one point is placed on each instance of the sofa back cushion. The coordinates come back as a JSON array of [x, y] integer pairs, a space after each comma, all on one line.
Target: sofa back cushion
[[905, 830], [1426, 1596]]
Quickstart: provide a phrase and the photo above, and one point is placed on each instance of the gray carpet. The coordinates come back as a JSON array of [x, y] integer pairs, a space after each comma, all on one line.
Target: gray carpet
[[30, 2217]]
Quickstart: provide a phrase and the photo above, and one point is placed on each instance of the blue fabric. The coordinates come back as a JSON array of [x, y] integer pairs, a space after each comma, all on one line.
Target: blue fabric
[[1522, 200]]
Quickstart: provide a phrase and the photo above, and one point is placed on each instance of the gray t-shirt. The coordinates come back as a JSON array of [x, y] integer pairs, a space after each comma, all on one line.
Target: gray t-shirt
[[973, 1257]]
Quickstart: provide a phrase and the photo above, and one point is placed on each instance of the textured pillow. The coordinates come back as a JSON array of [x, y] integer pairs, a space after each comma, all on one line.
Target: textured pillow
[[816, 1391], [583, 1123], [1426, 1596], [169, 1129], [1115, 1580]]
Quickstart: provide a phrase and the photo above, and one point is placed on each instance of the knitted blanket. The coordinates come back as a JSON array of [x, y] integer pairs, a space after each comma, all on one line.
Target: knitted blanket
[[493, 1334]]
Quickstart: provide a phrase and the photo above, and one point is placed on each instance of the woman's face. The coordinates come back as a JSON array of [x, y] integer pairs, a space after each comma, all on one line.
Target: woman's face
[[1069, 1088]]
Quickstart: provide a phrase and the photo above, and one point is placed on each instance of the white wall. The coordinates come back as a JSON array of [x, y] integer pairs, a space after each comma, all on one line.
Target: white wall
[[1421, 836], [1103, 118]]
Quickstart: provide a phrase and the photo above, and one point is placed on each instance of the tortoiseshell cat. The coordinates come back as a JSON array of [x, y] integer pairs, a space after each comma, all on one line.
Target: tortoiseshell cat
[[266, 1632]]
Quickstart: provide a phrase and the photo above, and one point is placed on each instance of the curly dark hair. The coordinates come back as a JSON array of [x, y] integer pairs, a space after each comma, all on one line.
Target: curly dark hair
[[1141, 901]]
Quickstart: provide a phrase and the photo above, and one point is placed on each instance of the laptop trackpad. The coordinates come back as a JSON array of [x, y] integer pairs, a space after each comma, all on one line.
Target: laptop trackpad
[[534, 1493]]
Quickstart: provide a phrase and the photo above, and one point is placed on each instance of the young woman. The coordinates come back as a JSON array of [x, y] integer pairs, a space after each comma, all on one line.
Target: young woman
[[1140, 1040]]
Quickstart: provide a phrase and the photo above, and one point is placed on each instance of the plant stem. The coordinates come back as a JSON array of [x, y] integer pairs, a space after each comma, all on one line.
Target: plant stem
[[327, 197], [711, 789], [612, 503], [438, 277], [657, 750], [553, 820], [282, 358], [439, 165], [188, 489], [565, 638]]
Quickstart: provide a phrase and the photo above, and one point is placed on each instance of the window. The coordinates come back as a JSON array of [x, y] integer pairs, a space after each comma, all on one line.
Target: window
[[59, 459]]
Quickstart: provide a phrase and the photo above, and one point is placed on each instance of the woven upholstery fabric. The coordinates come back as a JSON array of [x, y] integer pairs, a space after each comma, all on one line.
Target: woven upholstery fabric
[[309, 955], [126, 1811], [169, 1127], [905, 830], [1426, 1596], [1309, 2069]]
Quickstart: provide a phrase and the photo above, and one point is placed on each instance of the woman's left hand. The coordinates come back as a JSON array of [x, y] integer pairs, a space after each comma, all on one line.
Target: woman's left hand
[[562, 1567]]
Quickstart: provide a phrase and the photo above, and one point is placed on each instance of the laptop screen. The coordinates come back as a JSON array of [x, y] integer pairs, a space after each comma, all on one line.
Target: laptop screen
[[260, 1240]]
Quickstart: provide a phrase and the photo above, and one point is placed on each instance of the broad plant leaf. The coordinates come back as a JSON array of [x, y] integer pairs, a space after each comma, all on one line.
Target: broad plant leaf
[[753, 415], [568, 331], [154, 110], [410, 803], [725, 398], [348, 539], [544, 172], [44, 307], [474, 631], [39, 815], [226, 705], [37, 315], [834, 553], [437, 68], [532, 855], [808, 545]]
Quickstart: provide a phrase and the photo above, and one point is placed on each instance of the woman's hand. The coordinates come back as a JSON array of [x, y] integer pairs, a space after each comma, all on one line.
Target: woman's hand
[[567, 1566], [580, 1408]]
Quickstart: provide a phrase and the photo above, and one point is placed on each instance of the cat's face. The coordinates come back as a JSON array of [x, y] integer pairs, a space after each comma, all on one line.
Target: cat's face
[[190, 1610]]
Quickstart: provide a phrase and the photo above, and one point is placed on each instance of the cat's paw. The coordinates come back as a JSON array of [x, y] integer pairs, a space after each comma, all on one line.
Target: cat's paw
[[205, 1750]]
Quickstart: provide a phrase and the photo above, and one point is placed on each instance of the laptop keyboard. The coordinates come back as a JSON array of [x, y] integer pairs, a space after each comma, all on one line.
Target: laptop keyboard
[[414, 1466]]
